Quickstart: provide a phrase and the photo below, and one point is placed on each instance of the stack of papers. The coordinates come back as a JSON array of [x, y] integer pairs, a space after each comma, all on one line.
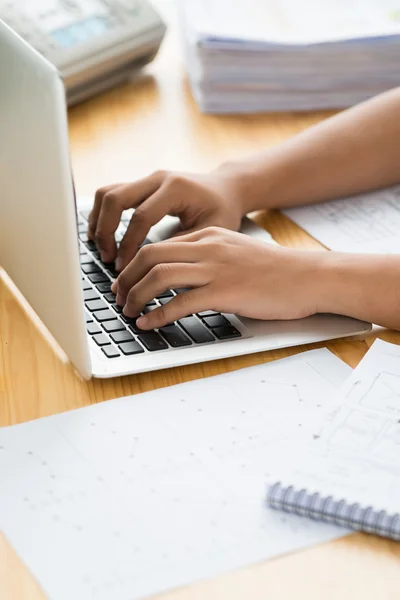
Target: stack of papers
[[274, 55]]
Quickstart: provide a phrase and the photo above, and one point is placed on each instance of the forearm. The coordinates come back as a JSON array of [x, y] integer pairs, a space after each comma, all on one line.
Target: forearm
[[354, 151], [363, 286]]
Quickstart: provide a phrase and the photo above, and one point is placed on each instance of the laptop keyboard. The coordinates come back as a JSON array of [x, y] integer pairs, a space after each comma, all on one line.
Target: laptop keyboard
[[117, 335]]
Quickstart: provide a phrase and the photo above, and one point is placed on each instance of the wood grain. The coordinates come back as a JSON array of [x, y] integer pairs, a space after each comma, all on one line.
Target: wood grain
[[144, 125]]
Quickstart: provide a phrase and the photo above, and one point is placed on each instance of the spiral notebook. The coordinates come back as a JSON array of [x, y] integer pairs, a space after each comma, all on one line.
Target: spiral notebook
[[350, 475]]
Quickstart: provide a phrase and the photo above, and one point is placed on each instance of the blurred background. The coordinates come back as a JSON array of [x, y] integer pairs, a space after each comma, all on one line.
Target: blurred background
[[154, 83]]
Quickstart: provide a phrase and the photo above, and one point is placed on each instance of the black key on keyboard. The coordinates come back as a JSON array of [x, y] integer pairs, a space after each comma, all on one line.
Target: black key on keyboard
[[165, 300], [90, 294], [129, 320], [118, 309], [90, 267], [215, 321], [104, 288], [181, 290], [129, 348], [104, 315], [93, 328], [166, 294], [110, 351], [122, 336], [226, 332], [175, 336], [98, 278], [152, 341], [110, 267], [110, 297], [151, 303], [94, 305], [113, 325], [207, 313], [196, 330], [91, 245], [101, 339]]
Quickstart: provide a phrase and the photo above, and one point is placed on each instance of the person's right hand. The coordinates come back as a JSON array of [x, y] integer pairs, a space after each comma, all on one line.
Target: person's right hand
[[200, 201], [226, 272]]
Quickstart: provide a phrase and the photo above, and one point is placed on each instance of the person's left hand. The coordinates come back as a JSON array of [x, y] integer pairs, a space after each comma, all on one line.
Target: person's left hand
[[226, 272]]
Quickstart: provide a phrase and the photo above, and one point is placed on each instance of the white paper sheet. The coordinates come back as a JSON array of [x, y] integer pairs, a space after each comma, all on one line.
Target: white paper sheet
[[131, 497], [357, 458], [366, 223]]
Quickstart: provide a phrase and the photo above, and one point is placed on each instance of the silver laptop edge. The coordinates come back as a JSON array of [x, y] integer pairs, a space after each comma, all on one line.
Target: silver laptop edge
[[38, 235], [38, 240]]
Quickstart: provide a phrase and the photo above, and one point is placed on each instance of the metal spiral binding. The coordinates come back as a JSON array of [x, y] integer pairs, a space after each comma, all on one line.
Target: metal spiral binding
[[338, 511]]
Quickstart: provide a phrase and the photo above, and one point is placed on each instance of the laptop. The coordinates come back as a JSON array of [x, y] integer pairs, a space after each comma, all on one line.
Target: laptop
[[45, 250]]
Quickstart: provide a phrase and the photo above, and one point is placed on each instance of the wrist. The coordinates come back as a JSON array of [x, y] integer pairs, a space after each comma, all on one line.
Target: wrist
[[310, 278], [250, 185], [260, 182], [316, 280], [344, 282], [361, 286]]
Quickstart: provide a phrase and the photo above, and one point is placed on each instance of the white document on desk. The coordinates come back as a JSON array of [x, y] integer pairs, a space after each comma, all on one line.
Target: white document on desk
[[131, 497], [368, 223], [359, 448]]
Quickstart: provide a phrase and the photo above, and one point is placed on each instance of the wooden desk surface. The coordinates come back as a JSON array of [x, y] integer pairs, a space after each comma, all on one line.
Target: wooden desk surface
[[120, 136]]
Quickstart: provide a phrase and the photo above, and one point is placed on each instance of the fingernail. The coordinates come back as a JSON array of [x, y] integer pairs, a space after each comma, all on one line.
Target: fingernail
[[142, 322], [118, 264]]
